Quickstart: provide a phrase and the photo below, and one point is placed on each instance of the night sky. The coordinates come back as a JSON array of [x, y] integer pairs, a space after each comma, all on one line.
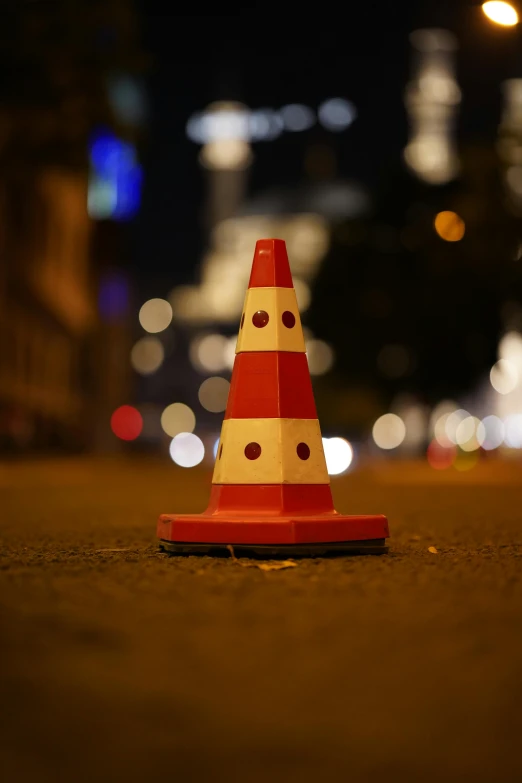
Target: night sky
[[363, 56], [251, 58]]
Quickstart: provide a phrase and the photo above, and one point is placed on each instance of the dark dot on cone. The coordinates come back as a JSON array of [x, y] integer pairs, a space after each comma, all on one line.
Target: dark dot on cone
[[252, 450], [220, 451], [242, 321], [288, 319], [303, 451], [260, 319]]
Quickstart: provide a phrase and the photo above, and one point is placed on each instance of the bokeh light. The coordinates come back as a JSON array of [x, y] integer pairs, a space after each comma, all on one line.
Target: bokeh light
[[440, 457], [126, 423], [187, 450], [177, 418], [226, 155], [338, 453], [504, 376], [449, 226], [452, 423], [500, 12], [415, 418], [513, 431], [466, 460], [213, 394], [155, 315], [229, 354], [466, 433], [147, 355], [302, 294], [209, 353], [337, 114], [490, 433], [389, 431], [215, 447], [297, 117], [320, 356], [438, 418], [510, 347]]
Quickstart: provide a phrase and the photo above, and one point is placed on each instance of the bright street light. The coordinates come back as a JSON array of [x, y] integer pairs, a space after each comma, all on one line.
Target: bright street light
[[501, 13]]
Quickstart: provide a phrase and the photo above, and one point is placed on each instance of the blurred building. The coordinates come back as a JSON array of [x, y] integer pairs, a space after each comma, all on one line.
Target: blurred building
[[47, 307], [65, 71]]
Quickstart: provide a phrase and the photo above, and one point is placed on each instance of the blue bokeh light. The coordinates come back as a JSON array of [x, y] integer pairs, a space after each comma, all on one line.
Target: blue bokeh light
[[113, 296], [116, 177]]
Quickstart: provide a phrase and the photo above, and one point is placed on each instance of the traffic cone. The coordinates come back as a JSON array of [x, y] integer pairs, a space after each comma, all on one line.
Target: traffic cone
[[270, 489]]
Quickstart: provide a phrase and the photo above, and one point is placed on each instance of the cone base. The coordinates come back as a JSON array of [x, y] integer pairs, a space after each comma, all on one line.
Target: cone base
[[313, 535], [376, 546]]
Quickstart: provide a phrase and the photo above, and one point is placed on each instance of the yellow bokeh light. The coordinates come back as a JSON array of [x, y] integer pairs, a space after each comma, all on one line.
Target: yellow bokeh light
[[449, 226], [466, 434], [213, 394], [466, 460], [177, 418], [501, 13], [226, 154]]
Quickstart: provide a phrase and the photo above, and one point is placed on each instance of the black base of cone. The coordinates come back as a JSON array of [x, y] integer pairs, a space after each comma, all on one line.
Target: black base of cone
[[376, 546]]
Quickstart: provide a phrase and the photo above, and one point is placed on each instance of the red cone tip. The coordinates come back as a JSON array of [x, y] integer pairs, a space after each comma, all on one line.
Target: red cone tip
[[270, 268]]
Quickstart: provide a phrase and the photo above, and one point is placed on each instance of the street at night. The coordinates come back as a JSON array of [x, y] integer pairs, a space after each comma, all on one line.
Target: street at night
[[261, 307], [120, 663]]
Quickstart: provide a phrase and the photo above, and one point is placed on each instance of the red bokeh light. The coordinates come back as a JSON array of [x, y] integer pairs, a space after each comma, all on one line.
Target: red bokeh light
[[126, 422], [440, 457]]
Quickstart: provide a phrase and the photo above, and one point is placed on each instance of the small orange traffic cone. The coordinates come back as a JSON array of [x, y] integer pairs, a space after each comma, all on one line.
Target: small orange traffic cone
[[270, 489]]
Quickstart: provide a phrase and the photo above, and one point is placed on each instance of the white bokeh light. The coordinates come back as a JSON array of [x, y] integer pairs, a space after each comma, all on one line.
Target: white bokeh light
[[338, 453], [504, 376], [490, 433], [215, 447], [389, 431], [155, 315], [297, 117], [452, 424], [187, 450], [337, 114], [513, 431]]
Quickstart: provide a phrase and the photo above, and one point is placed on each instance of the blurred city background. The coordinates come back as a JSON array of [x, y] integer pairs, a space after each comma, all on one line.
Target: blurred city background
[[142, 156]]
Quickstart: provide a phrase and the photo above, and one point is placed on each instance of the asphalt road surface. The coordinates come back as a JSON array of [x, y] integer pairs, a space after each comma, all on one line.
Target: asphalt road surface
[[118, 663]]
